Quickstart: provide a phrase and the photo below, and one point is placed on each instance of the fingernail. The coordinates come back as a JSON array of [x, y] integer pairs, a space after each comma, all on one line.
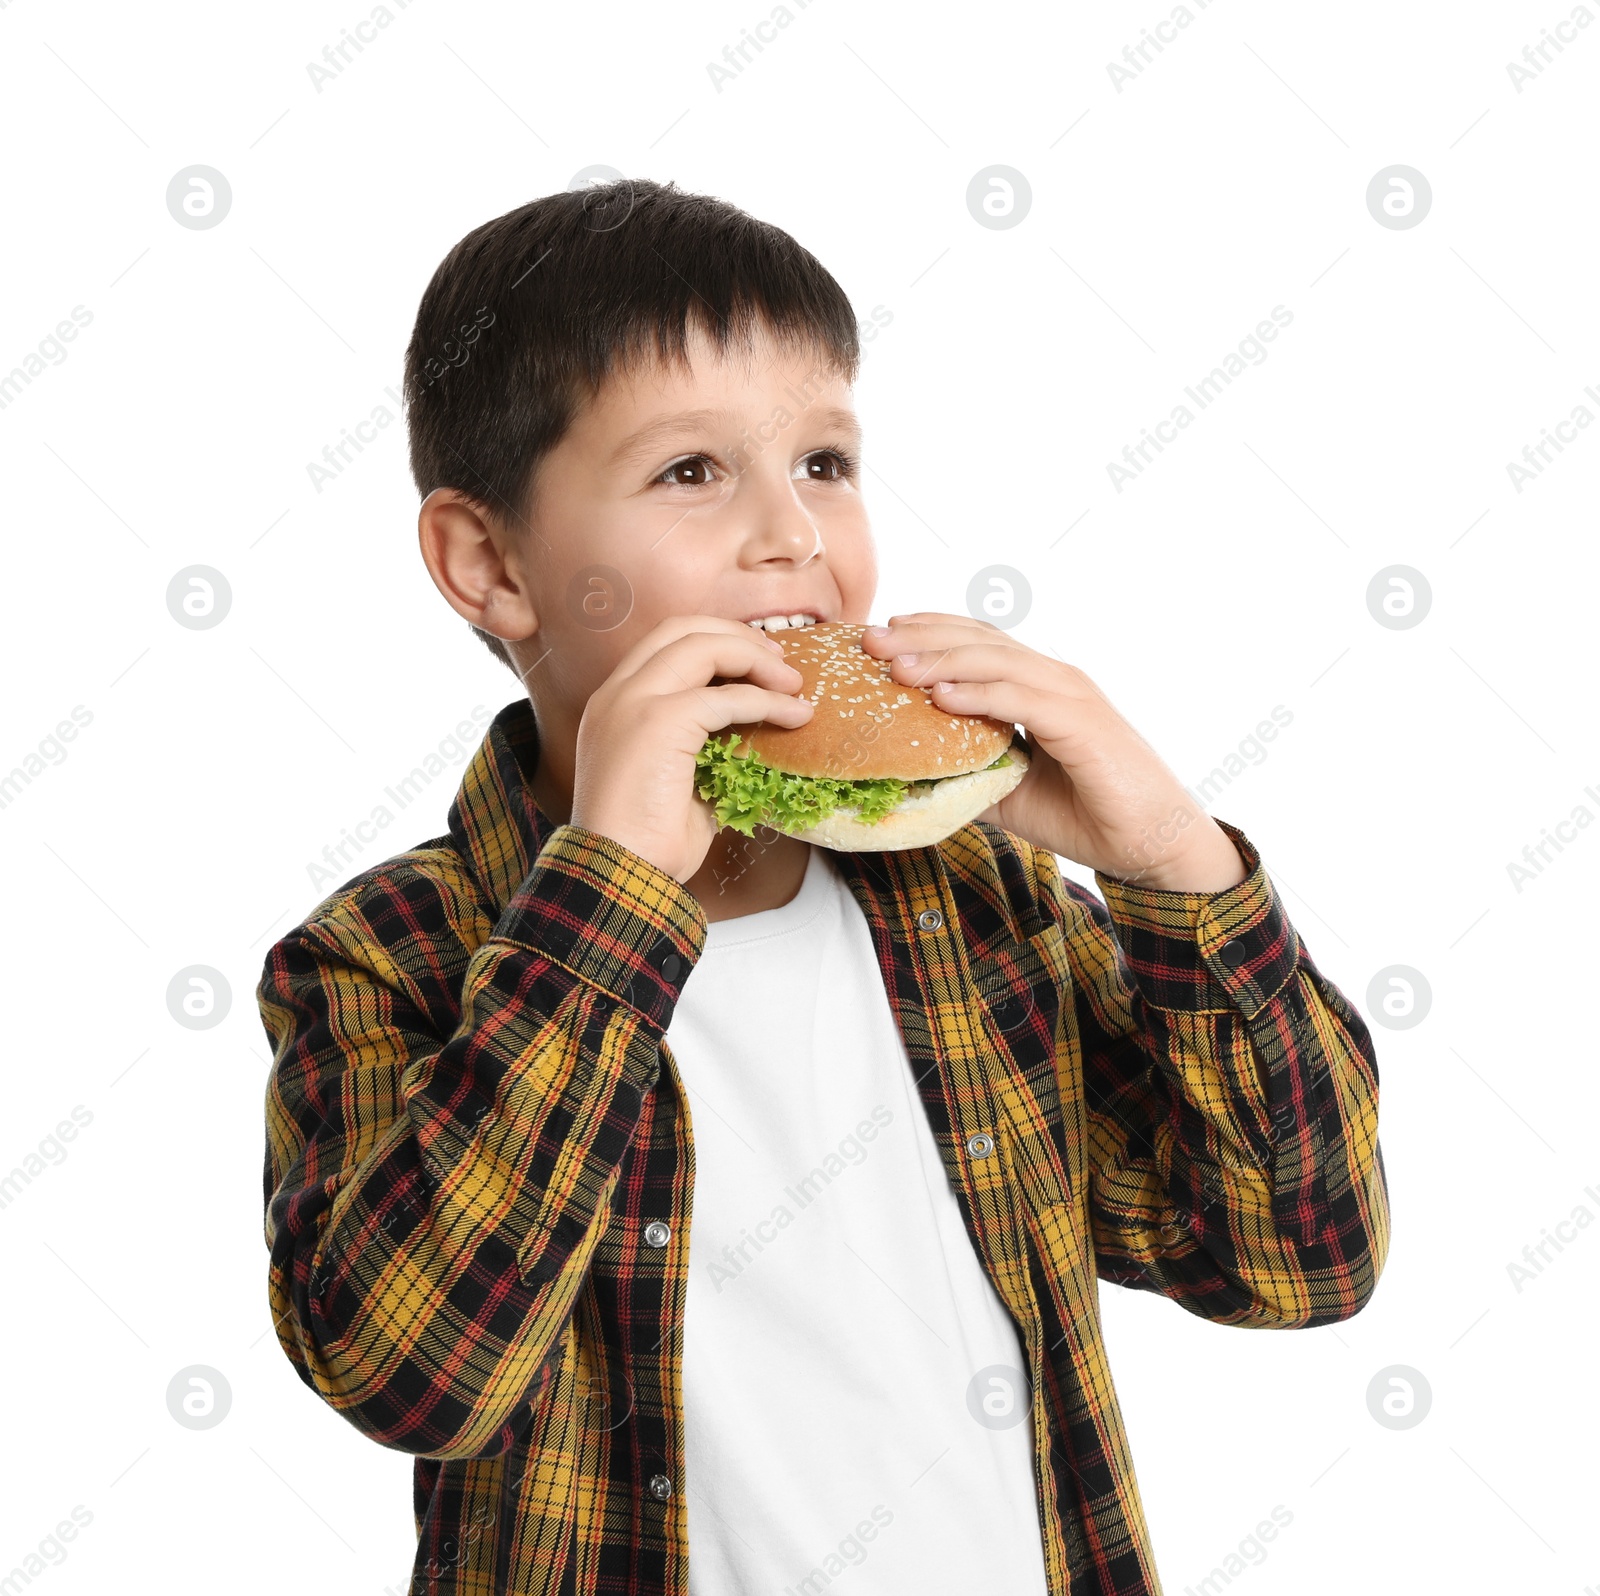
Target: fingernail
[[906, 659], [877, 631], [944, 687]]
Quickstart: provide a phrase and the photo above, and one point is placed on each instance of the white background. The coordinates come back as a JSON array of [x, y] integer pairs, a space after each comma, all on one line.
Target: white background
[[1167, 218]]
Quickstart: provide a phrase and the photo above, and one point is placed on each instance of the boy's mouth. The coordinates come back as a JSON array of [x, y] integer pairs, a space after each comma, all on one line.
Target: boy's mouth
[[782, 623]]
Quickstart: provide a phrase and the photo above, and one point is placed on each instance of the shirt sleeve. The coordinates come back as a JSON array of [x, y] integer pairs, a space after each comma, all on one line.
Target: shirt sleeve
[[443, 1136], [1232, 1103]]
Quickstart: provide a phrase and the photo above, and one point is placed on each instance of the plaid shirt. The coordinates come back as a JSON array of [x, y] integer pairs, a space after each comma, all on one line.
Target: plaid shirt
[[479, 1169]]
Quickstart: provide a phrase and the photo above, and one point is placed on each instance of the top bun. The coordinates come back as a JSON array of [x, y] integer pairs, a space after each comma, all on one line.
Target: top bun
[[866, 724]]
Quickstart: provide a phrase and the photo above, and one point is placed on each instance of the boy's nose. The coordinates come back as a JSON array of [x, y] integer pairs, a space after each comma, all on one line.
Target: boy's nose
[[788, 533]]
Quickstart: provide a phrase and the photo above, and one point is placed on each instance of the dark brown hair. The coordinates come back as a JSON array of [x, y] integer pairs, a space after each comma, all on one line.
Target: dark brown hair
[[526, 317]]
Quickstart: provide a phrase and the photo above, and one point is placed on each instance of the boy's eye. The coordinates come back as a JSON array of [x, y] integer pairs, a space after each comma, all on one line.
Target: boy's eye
[[828, 465], [694, 472], [699, 470]]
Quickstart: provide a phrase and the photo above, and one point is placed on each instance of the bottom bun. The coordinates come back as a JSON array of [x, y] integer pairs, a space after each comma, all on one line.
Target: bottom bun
[[922, 818]]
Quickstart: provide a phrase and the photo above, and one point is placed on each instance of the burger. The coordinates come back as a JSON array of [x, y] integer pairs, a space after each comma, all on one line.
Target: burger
[[878, 766]]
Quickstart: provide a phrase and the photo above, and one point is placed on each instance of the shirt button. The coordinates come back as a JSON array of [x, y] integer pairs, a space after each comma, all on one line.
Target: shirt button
[[980, 1146], [929, 920], [660, 1487], [1232, 954], [657, 1234]]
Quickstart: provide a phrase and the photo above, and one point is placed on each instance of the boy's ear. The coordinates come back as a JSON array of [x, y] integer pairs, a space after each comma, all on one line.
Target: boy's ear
[[477, 565]]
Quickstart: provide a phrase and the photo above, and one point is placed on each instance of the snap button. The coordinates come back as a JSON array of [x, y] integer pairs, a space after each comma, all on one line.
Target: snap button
[[1232, 954], [660, 1487], [980, 1146], [657, 1233], [930, 920]]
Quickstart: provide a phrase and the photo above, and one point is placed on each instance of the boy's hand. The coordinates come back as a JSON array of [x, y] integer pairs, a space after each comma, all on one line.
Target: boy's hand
[[1096, 791], [643, 726]]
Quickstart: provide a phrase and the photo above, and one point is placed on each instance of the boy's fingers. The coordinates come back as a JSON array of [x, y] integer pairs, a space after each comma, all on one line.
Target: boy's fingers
[[910, 634], [985, 661], [676, 627], [742, 703], [694, 659]]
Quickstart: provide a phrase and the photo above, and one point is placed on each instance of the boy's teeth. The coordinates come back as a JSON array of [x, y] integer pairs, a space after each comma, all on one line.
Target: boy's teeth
[[779, 623]]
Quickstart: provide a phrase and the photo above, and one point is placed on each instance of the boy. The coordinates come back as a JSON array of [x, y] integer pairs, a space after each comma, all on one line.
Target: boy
[[937, 1092]]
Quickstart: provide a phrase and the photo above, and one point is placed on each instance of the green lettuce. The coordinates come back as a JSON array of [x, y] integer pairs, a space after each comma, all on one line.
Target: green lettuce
[[747, 793]]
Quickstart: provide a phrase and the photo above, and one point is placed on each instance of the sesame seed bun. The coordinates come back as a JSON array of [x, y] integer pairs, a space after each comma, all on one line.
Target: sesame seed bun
[[867, 724]]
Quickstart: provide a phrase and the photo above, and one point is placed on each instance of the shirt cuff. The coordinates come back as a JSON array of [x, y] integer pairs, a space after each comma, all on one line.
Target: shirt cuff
[[611, 917], [1200, 951]]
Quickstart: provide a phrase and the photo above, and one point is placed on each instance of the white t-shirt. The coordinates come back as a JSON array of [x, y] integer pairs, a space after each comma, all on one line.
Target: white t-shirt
[[842, 1343]]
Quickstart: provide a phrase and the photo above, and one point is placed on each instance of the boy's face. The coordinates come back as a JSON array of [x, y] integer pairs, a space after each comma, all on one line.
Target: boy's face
[[717, 490]]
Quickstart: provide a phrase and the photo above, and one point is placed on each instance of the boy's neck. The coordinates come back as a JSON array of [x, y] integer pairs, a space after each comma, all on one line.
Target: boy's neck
[[743, 876]]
